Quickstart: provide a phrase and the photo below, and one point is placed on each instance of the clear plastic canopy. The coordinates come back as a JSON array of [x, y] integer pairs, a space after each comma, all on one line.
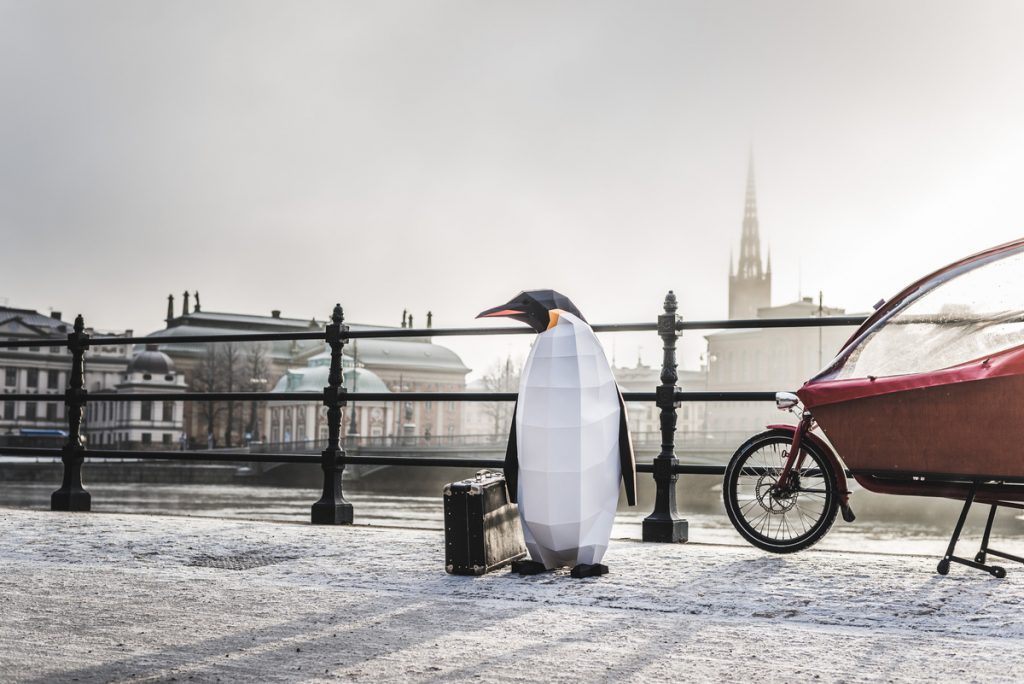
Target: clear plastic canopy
[[961, 314]]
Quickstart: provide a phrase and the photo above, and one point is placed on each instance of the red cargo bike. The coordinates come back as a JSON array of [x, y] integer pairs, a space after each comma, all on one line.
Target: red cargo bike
[[925, 399]]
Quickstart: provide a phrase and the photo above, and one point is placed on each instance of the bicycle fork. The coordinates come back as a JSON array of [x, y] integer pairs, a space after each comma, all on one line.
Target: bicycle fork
[[794, 461]]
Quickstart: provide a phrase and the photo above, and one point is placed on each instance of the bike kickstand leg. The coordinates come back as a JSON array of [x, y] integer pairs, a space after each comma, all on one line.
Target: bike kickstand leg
[[983, 551], [987, 550], [943, 568]]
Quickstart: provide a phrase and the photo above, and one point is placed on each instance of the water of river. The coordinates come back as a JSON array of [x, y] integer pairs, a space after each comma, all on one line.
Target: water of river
[[884, 529]]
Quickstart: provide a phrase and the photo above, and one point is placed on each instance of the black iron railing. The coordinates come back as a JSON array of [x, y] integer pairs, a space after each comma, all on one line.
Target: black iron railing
[[664, 523]]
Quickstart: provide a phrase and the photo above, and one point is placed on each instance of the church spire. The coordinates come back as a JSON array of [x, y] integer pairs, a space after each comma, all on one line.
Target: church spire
[[750, 287], [750, 242]]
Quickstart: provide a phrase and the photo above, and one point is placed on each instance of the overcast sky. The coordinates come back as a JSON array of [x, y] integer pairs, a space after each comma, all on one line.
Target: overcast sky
[[444, 155]]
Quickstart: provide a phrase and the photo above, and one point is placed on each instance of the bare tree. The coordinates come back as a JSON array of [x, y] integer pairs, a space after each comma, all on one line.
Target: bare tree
[[502, 376], [207, 377], [256, 369], [232, 369], [228, 367]]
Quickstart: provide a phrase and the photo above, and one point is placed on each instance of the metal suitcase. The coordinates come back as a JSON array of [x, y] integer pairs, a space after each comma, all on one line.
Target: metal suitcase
[[481, 527]]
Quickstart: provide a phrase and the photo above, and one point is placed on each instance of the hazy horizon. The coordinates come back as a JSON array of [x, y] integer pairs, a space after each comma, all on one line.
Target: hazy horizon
[[444, 156]]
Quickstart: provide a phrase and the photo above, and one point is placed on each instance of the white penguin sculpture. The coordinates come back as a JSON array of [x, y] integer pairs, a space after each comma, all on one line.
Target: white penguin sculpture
[[569, 444]]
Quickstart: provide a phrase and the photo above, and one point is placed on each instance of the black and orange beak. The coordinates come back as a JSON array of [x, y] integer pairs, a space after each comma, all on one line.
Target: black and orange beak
[[497, 311]]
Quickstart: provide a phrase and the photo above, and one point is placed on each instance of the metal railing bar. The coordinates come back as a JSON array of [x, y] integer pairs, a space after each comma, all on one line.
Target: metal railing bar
[[199, 339], [430, 396], [752, 323], [384, 333], [29, 451], [175, 396], [275, 396], [369, 396], [24, 396], [230, 457], [426, 462], [685, 469], [213, 456], [723, 396]]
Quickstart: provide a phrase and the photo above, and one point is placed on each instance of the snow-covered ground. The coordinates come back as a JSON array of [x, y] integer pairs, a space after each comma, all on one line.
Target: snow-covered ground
[[115, 597], [885, 524]]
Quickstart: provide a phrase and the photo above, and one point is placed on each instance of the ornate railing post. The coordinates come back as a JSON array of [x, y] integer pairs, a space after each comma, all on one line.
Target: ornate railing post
[[72, 496], [664, 524], [332, 508]]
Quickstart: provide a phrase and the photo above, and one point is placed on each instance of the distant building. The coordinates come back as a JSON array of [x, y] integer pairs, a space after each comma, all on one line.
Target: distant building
[[44, 370], [414, 364], [411, 364], [138, 424], [645, 417], [303, 421], [767, 359], [494, 418]]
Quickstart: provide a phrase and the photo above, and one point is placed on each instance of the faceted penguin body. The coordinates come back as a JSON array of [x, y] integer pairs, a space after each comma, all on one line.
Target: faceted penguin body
[[568, 418], [569, 443]]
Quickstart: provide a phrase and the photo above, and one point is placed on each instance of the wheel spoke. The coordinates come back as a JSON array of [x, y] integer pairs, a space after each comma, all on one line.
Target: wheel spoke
[[785, 522], [809, 520], [752, 502], [764, 520]]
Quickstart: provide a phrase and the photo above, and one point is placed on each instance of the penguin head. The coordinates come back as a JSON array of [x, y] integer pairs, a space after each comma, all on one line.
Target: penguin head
[[534, 308]]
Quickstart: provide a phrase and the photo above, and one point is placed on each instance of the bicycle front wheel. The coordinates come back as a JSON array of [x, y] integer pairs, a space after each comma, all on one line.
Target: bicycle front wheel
[[780, 521]]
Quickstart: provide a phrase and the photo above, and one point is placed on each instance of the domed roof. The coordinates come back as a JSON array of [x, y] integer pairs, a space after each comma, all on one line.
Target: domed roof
[[406, 354], [151, 361], [314, 379], [409, 354]]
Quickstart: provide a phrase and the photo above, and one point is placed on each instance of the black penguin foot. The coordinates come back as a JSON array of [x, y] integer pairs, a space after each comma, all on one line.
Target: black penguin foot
[[528, 567], [584, 570]]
